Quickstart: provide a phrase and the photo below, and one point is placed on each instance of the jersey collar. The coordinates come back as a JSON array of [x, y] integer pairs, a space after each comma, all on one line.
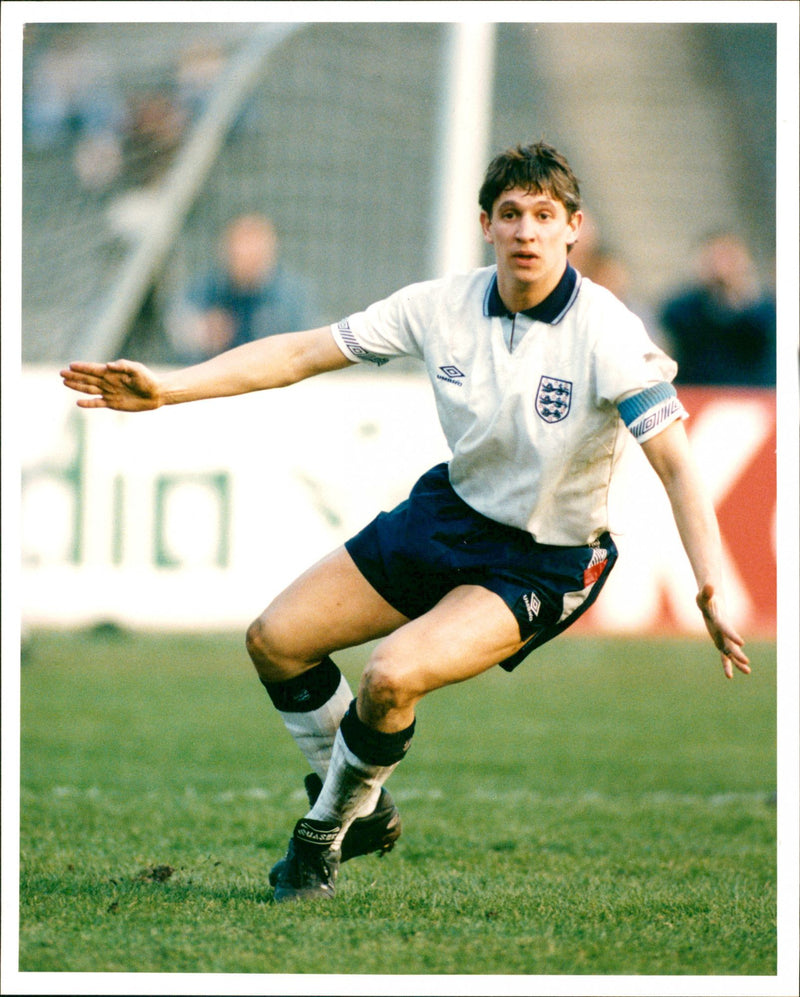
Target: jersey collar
[[551, 310]]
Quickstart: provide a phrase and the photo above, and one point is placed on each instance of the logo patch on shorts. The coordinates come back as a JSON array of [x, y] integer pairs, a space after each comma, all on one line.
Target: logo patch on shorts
[[596, 566], [532, 604], [553, 399]]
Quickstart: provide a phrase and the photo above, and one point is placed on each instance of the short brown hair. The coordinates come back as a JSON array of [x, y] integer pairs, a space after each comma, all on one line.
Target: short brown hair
[[537, 167]]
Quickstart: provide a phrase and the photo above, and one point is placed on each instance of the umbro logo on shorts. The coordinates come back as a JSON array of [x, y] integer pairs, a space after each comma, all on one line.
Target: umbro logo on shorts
[[451, 374], [532, 604]]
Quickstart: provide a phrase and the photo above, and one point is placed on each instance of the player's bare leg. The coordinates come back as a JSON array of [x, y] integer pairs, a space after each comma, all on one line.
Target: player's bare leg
[[468, 632], [329, 607]]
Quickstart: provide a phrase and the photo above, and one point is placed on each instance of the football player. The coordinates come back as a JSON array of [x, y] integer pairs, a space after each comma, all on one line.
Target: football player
[[540, 377]]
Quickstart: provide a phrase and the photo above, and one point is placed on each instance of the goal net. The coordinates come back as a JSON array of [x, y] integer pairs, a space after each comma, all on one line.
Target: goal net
[[332, 138]]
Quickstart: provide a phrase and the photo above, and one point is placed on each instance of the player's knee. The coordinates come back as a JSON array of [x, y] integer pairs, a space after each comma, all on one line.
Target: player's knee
[[269, 649], [387, 683]]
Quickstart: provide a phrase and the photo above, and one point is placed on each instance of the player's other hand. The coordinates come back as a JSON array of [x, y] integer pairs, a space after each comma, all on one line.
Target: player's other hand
[[123, 385], [725, 638]]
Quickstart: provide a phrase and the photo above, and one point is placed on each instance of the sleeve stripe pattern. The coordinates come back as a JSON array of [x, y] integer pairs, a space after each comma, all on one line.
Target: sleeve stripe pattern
[[648, 412], [355, 348]]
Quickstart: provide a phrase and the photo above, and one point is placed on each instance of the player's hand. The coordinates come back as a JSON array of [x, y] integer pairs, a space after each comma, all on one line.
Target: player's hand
[[123, 385], [725, 638]]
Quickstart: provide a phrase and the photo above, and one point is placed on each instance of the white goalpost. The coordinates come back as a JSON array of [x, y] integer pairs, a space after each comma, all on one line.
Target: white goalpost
[[466, 103]]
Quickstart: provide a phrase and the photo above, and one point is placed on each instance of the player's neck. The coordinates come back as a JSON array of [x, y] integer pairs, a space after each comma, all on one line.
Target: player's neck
[[519, 296]]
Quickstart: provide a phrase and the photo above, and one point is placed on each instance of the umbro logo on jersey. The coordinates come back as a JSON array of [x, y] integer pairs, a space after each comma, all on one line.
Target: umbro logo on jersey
[[553, 399], [451, 374]]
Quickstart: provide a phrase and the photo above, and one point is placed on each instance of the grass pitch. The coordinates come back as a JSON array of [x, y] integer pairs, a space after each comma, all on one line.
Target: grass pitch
[[607, 809]]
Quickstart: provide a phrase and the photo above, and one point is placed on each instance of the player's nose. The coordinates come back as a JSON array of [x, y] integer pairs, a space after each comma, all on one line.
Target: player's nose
[[526, 228]]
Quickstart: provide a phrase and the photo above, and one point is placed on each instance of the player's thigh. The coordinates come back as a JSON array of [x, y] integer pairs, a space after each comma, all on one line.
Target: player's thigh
[[329, 607], [468, 631]]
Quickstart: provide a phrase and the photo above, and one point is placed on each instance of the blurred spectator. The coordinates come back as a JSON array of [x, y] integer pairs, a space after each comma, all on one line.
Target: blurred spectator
[[199, 68], [116, 140], [70, 93], [610, 271], [72, 102], [160, 119], [583, 250], [246, 296], [721, 329], [158, 125], [594, 259]]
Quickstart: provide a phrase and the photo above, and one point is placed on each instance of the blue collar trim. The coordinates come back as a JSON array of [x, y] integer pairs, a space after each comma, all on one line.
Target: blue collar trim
[[554, 307]]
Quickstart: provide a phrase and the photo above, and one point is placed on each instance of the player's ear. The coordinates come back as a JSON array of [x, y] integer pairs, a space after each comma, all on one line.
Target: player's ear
[[574, 227], [486, 225]]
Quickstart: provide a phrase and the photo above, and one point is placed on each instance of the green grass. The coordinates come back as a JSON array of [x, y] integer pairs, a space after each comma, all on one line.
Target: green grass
[[608, 809]]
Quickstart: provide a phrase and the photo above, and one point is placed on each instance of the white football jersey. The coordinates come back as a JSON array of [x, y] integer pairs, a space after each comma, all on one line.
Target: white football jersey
[[528, 405]]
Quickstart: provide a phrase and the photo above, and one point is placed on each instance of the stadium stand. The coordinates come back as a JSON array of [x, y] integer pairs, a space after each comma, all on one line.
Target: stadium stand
[[337, 142]]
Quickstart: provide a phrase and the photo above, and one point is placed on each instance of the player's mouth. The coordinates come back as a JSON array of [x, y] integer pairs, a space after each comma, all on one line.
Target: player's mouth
[[526, 259]]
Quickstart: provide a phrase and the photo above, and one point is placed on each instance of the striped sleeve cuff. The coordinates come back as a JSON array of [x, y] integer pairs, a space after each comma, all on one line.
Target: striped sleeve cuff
[[648, 412], [349, 345]]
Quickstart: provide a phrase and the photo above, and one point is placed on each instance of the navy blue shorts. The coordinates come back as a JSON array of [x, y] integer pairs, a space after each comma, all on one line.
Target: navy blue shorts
[[434, 542]]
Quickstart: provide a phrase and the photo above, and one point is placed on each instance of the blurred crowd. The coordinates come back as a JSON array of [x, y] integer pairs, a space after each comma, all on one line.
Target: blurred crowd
[[720, 326], [74, 99]]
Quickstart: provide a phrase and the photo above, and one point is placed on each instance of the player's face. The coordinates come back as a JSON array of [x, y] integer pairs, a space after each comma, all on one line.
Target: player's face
[[530, 232]]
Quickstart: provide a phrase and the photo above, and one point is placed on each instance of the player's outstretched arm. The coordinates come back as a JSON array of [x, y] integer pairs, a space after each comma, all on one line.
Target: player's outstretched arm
[[273, 362], [671, 457]]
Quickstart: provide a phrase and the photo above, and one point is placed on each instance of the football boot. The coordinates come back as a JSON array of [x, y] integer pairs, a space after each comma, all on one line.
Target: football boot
[[375, 832], [309, 870]]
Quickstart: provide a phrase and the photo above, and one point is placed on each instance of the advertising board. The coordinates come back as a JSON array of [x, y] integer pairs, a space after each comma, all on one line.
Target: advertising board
[[194, 517]]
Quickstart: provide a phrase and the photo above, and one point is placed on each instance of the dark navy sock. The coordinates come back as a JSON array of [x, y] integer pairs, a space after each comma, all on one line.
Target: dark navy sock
[[307, 691], [373, 746]]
